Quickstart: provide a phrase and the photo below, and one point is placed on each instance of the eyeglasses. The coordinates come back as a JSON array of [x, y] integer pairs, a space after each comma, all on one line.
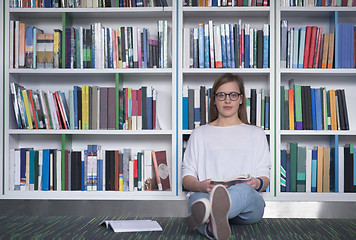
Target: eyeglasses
[[221, 96]]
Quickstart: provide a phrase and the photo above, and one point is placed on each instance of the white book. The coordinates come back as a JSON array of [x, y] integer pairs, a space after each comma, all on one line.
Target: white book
[[81, 47], [11, 49], [308, 171], [59, 170], [217, 42], [90, 3], [165, 44], [135, 47], [147, 174], [291, 61], [95, 4], [52, 110], [341, 169], [211, 43], [126, 64], [97, 46], [131, 175], [154, 99], [12, 164], [16, 43], [258, 110], [186, 49], [51, 172], [40, 163]]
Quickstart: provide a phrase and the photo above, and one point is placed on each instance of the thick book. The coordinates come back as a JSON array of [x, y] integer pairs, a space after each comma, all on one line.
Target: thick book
[[232, 181], [159, 159]]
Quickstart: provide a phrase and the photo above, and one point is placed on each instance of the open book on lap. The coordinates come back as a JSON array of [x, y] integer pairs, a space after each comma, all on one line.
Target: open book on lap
[[232, 181]]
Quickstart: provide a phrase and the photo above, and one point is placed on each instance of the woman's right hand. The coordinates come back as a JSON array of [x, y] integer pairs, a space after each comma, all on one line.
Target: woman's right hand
[[205, 186]]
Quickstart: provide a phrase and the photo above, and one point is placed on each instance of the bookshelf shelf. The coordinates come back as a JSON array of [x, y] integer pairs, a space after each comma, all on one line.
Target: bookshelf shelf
[[318, 72], [225, 11], [252, 71], [315, 132], [151, 71], [90, 132]]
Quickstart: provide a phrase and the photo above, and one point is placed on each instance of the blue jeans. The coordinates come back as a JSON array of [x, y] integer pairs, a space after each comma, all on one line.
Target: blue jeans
[[247, 205]]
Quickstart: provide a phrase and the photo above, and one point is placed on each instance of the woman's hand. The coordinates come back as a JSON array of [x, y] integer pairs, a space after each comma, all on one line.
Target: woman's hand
[[205, 186], [254, 182]]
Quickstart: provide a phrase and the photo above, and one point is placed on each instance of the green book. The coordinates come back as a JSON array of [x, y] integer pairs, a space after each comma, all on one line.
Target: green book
[[293, 166], [298, 107], [301, 168], [118, 108]]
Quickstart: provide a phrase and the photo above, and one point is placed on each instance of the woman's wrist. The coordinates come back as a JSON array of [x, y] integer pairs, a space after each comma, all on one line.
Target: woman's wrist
[[261, 184]]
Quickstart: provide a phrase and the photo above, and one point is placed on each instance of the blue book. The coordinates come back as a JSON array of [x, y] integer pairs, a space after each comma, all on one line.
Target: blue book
[[265, 46], [295, 47], [75, 96], [301, 46], [314, 169], [144, 47], [283, 170], [334, 24], [45, 170], [47, 3], [214, 3], [232, 45], [351, 44], [287, 173], [206, 46], [149, 107], [83, 175], [185, 108], [29, 44], [318, 3], [100, 173], [318, 109], [23, 168], [313, 107], [267, 113], [201, 45], [247, 45], [223, 46], [334, 163], [354, 170], [92, 48], [109, 59], [32, 169], [228, 46]]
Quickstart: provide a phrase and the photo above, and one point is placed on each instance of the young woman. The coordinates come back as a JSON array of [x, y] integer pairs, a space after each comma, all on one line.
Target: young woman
[[225, 148]]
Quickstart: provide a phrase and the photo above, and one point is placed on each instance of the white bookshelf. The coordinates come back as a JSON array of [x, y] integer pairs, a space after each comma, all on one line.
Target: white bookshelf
[[162, 79], [329, 78], [254, 78]]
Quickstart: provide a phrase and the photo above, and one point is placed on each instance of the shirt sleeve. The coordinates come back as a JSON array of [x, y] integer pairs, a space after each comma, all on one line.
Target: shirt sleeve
[[262, 156], [189, 166]]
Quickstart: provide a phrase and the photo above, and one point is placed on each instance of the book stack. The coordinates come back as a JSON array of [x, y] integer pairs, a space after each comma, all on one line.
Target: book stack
[[87, 107], [86, 3], [91, 169], [309, 47], [196, 107], [226, 3], [226, 46], [307, 108], [94, 47], [318, 3], [318, 169]]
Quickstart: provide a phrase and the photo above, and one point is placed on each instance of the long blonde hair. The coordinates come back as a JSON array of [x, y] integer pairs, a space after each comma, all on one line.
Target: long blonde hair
[[222, 79]]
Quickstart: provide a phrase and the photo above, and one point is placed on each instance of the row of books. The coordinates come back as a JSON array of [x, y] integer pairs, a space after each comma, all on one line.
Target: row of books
[[92, 169], [88, 107], [226, 3], [318, 3], [226, 46], [307, 108], [95, 47], [308, 47], [196, 107], [86, 3], [320, 169]]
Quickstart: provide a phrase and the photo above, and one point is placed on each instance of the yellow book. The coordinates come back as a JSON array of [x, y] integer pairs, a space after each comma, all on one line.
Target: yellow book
[[320, 164], [333, 110], [83, 107], [27, 108], [291, 108], [87, 107]]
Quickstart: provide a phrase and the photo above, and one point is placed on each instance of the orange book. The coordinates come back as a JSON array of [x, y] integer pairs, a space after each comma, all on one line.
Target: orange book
[[333, 110], [201, 3], [291, 108], [331, 50], [320, 164], [324, 60]]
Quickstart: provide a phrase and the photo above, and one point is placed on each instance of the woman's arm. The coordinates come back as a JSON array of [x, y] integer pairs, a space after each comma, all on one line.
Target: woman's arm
[[194, 185]]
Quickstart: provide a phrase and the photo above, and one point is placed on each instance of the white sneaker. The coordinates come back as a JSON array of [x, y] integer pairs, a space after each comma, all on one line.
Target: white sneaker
[[199, 214]]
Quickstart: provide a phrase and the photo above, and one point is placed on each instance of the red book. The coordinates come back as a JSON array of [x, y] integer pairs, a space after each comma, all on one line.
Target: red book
[[318, 48], [154, 108], [161, 169], [61, 110], [354, 3], [307, 47], [323, 3], [32, 107], [312, 46], [343, 3], [57, 110], [116, 170], [240, 3]]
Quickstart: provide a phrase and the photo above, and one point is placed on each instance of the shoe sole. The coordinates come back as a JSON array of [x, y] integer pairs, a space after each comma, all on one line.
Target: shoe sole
[[220, 203], [197, 215]]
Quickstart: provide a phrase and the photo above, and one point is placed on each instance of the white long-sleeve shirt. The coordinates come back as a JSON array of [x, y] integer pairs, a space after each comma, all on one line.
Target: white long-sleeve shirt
[[224, 152]]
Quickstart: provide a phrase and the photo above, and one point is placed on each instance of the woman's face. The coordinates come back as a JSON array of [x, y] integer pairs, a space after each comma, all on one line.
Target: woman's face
[[229, 106]]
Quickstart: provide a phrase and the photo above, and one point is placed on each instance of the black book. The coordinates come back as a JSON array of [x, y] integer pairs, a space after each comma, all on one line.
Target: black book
[[348, 170], [341, 110], [112, 170], [103, 108], [107, 171], [304, 108], [123, 46], [202, 105], [253, 107], [259, 48], [344, 106], [309, 109], [79, 106], [144, 107], [236, 41]]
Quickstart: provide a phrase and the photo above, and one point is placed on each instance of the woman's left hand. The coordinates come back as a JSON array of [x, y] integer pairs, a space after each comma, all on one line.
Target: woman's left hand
[[254, 182]]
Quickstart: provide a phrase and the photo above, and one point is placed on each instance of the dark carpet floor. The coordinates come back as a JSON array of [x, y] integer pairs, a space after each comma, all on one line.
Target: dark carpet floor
[[57, 227]]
